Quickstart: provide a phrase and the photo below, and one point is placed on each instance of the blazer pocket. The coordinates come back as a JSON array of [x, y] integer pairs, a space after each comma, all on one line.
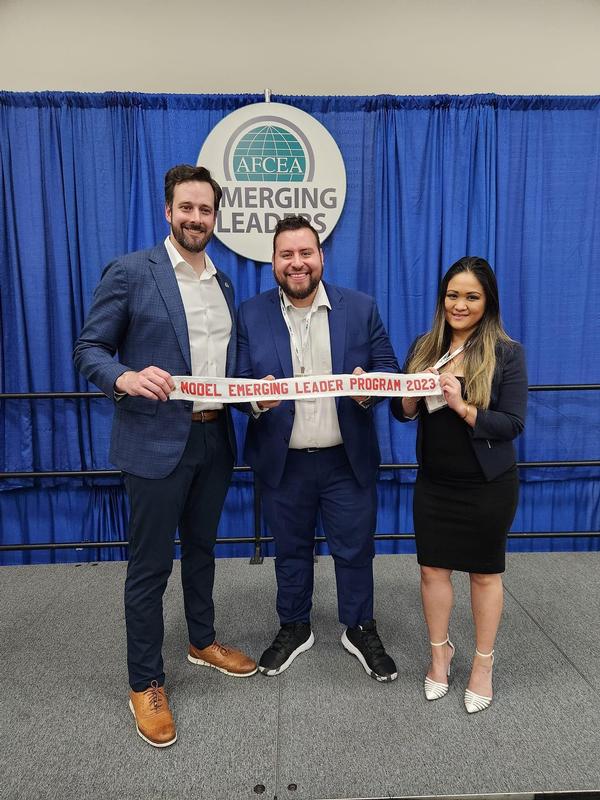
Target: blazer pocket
[[139, 405]]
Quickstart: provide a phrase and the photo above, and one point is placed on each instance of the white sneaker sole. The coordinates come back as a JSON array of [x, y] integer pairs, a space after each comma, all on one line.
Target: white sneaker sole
[[202, 663], [145, 738], [301, 649], [356, 652]]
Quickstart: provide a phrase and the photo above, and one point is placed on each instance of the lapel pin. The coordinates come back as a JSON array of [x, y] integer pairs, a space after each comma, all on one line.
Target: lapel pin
[[226, 284]]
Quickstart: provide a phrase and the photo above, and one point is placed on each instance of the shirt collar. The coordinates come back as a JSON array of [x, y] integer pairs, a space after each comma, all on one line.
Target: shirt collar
[[176, 258], [320, 299]]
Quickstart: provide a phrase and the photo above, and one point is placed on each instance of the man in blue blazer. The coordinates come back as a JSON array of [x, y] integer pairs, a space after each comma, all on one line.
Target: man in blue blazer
[[168, 311], [315, 456]]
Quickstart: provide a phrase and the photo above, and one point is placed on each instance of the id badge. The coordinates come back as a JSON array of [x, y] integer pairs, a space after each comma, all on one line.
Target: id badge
[[434, 402], [308, 403]]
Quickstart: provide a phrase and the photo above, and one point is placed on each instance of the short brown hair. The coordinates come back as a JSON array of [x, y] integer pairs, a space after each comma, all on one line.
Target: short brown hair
[[183, 173], [294, 223]]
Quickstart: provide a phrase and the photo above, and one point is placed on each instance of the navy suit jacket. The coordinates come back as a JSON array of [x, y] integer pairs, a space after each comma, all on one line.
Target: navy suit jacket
[[138, 311], [497, 426], [358, 339]]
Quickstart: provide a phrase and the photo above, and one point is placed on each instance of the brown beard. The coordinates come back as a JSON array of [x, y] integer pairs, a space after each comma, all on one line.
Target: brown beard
[[191, 245]]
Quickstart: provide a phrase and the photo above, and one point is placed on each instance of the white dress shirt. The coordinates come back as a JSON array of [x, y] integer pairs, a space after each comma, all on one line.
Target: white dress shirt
[[208, 319], [316, 420]]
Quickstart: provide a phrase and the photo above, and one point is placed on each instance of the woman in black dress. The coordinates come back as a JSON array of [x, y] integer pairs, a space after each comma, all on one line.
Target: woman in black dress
[[467, 485]]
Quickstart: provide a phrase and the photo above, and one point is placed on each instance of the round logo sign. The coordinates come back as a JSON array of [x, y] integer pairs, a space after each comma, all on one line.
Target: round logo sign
[[272, 161]]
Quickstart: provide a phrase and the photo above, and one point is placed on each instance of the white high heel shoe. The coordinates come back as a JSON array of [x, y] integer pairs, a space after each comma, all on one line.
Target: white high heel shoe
[[477, 702], [433, 689]]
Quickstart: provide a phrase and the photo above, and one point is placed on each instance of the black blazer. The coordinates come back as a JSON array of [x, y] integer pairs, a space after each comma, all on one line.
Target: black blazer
[[496, 427]]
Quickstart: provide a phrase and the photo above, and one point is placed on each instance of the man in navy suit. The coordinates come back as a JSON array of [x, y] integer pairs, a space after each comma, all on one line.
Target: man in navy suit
[[168, 311], [316, 456]]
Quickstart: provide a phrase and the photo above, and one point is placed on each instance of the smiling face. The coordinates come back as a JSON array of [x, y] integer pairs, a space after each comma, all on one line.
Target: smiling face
[[464, 303], [298, 265], [192, 216]]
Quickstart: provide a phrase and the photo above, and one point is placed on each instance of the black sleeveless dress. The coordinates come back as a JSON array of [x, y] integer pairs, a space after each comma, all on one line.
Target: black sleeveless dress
[[461, 520]]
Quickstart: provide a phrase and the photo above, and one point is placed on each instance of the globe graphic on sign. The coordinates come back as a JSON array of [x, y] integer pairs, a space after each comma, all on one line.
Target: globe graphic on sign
[[269, 153]]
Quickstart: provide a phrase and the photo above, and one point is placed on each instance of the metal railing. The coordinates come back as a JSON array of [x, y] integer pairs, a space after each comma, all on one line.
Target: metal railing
[[257, 539]]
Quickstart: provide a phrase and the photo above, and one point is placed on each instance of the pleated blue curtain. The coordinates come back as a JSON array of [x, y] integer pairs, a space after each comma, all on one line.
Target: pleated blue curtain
[[430, 179]]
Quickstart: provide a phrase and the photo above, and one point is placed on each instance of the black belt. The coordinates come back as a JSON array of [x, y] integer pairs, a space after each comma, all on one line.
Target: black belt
[[315, 449]]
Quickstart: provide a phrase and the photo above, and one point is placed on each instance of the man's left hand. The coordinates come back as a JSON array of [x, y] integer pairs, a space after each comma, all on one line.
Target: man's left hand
[[362, 398]]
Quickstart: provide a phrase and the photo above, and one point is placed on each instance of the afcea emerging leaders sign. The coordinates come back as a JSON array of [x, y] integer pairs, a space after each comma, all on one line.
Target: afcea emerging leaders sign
[[272, 160]]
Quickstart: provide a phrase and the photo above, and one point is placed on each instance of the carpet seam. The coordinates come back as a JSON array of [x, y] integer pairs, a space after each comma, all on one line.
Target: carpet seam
[[277, 737], [550, 639]]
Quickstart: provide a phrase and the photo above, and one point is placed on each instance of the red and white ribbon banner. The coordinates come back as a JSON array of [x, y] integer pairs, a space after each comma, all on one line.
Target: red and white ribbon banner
[[304, 387]]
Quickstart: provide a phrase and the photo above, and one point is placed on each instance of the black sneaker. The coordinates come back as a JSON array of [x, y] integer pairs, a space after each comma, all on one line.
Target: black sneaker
[[293, 638], [364, 643]]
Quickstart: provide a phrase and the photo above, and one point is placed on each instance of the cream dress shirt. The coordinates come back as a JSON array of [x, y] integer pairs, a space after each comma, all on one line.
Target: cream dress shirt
[[315, 421], [208, 319]]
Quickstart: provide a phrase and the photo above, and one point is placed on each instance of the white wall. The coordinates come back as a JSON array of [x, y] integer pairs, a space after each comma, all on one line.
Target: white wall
[[302, 47]]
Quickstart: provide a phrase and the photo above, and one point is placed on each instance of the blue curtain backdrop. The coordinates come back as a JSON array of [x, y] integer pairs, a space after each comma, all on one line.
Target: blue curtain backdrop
[[430, 179]]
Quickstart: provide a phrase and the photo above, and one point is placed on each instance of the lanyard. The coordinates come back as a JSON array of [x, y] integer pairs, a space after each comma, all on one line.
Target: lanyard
[[448, 357], [299, 346]]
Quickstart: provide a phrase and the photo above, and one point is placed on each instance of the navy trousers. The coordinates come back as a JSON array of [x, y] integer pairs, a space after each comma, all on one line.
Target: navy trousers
[[322, 482], [190, 498]]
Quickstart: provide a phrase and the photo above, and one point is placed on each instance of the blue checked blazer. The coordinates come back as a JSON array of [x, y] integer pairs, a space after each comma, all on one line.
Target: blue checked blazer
[[137, 311]]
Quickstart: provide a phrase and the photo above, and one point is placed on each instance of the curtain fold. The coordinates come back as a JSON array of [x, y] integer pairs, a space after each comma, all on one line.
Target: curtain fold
[[430, 179]]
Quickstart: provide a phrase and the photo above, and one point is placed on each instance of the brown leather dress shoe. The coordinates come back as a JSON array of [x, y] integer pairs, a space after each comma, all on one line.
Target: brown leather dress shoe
[[153, 718], [225, 659]]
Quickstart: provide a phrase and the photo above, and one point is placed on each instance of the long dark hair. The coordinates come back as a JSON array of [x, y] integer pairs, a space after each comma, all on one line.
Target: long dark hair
[[479, 359]]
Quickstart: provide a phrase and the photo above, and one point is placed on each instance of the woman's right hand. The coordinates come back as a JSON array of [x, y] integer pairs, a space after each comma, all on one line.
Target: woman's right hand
[[409, 404]]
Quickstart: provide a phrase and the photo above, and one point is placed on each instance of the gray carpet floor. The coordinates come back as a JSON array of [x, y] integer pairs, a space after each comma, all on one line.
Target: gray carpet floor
[[323, 729]]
